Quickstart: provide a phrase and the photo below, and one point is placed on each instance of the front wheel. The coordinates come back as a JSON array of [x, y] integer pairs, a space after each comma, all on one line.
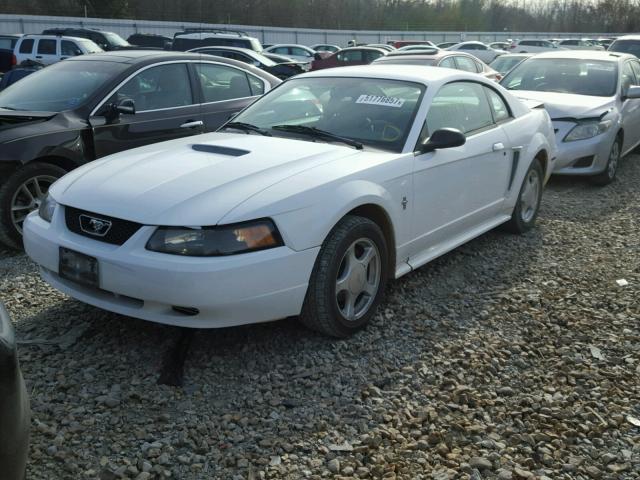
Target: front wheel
[[21, 194], [526, 210], [606, 177], [348, 279]]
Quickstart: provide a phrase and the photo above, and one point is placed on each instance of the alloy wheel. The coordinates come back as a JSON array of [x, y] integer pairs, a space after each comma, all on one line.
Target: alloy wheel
[[530, 195], [358, 279], [28, 197]]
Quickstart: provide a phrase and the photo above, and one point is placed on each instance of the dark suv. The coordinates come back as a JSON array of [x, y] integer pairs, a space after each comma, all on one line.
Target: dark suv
[[106, 40], [90, 106], [192, 38]]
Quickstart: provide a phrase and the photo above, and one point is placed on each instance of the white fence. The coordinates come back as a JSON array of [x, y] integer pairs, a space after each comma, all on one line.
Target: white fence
[[270, 35]]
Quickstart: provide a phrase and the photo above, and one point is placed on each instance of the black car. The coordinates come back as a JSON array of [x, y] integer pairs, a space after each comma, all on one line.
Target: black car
[[14, 406], [280, 70], [151, 40], [90, 106], [108, 41], [7, 44]]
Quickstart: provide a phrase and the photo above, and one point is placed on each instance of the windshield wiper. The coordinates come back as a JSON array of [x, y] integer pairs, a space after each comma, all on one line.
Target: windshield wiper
[[9, 108], [246, 127], [316, 132]]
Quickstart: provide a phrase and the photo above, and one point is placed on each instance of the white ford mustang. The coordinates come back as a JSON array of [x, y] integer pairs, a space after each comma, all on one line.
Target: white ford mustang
[[304, 204]]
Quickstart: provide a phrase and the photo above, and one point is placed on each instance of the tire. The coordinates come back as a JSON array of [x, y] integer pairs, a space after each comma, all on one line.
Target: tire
[[527, 207], [11, 195], [609, 173], [339, 312]]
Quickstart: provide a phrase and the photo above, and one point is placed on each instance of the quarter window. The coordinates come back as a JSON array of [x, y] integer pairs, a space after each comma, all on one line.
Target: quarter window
[[46, 47], [459, 105], [448, 62], [164, 86], [221, 83], [498, 106], [466, 64]]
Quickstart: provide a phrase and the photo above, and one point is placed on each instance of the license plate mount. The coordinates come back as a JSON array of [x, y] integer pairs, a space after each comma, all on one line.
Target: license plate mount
[[79, 268]]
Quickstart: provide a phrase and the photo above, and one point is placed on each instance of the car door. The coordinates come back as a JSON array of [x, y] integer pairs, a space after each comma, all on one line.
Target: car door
[[225, 90], [47, 51], [459, 189], [165, 109], [300, 54], [631, 106]]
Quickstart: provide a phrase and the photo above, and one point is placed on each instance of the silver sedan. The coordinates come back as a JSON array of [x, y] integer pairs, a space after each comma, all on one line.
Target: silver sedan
[[594, 102]]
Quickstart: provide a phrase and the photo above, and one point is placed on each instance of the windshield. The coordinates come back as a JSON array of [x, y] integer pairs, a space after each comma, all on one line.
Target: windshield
[[626, 46], [564, 75], [374, 112], [62, 86], [90, 47], [504, 64], [115, 39]]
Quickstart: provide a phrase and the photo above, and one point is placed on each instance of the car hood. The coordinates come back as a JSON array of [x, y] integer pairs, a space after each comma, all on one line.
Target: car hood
[[190, 182], [567, 105]]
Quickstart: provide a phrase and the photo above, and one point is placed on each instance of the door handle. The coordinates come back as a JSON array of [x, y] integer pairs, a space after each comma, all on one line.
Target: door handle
[[498, 146], [192, 124]]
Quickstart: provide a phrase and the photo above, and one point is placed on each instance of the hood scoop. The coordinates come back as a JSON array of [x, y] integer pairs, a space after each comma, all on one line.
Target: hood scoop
[[218, 150]]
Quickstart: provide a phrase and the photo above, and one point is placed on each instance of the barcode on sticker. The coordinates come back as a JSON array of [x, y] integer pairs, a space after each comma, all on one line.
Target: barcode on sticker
[[380, 100]]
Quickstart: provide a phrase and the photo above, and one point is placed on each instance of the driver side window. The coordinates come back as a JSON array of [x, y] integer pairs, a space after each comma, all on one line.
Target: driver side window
[[164, 86], [460, 105]]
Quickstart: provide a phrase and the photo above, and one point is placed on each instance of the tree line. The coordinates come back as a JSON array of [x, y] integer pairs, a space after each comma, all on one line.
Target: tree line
[[456, 15]]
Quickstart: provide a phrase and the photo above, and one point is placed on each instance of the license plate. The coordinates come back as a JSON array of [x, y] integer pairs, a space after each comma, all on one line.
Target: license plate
[[78, 267]]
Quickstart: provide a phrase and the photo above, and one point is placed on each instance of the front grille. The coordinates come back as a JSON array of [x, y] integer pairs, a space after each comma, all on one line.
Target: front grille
[[120, 231]]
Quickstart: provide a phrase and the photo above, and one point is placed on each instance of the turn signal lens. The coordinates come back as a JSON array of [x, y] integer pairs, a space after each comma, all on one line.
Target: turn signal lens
[[216, 241]]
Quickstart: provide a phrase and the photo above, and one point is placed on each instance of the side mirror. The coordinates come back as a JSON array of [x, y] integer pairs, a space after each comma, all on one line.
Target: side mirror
[[632, 92], [125, 106], [317, 56], [443, 138]]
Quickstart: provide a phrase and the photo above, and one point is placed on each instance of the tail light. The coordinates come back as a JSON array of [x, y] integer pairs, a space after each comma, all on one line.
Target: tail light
[[14, 61], [498, 77], [513, 45]]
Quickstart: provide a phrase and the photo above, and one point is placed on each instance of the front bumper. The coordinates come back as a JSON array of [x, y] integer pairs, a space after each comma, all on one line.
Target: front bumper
[[226, 291], [582, 157]]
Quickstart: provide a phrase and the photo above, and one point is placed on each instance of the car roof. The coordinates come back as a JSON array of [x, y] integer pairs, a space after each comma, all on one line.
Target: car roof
[[628, 37], [246, 51], [53, 37], [142, 56], [276, 45], [410, 73], [200, 35], [376, 49], [587, 55]]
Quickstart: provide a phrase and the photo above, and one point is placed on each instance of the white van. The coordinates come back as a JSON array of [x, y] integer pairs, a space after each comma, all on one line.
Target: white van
[[48, 49]]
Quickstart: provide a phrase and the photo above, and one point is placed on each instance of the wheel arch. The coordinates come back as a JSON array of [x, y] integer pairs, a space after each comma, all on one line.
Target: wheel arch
[[378, 215], [58, 161]]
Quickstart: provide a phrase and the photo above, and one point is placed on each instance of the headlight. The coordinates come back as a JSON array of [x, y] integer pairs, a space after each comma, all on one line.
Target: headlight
[[586, 130], [47, 207], [216, 241]]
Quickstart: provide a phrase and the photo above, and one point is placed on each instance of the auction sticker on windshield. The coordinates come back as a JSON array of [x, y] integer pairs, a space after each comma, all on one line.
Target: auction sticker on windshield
[[380, 100]]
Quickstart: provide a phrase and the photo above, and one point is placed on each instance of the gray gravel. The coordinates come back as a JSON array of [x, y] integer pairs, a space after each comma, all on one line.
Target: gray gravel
[[509, 358]]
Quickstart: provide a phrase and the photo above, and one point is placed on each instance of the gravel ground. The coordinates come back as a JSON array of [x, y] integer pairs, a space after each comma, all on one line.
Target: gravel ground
[[511, 357]]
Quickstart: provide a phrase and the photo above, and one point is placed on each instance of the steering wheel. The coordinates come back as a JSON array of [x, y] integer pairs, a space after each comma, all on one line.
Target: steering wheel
[[388, 131]]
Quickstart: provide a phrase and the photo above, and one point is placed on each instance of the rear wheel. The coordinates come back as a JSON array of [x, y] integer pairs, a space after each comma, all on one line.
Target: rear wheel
[[348, 279], [21, 194], [609, 173], [526, 210]]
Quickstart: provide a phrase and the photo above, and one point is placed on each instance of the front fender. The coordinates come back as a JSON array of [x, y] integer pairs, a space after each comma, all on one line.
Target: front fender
[[69, 144], [315, 212]]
